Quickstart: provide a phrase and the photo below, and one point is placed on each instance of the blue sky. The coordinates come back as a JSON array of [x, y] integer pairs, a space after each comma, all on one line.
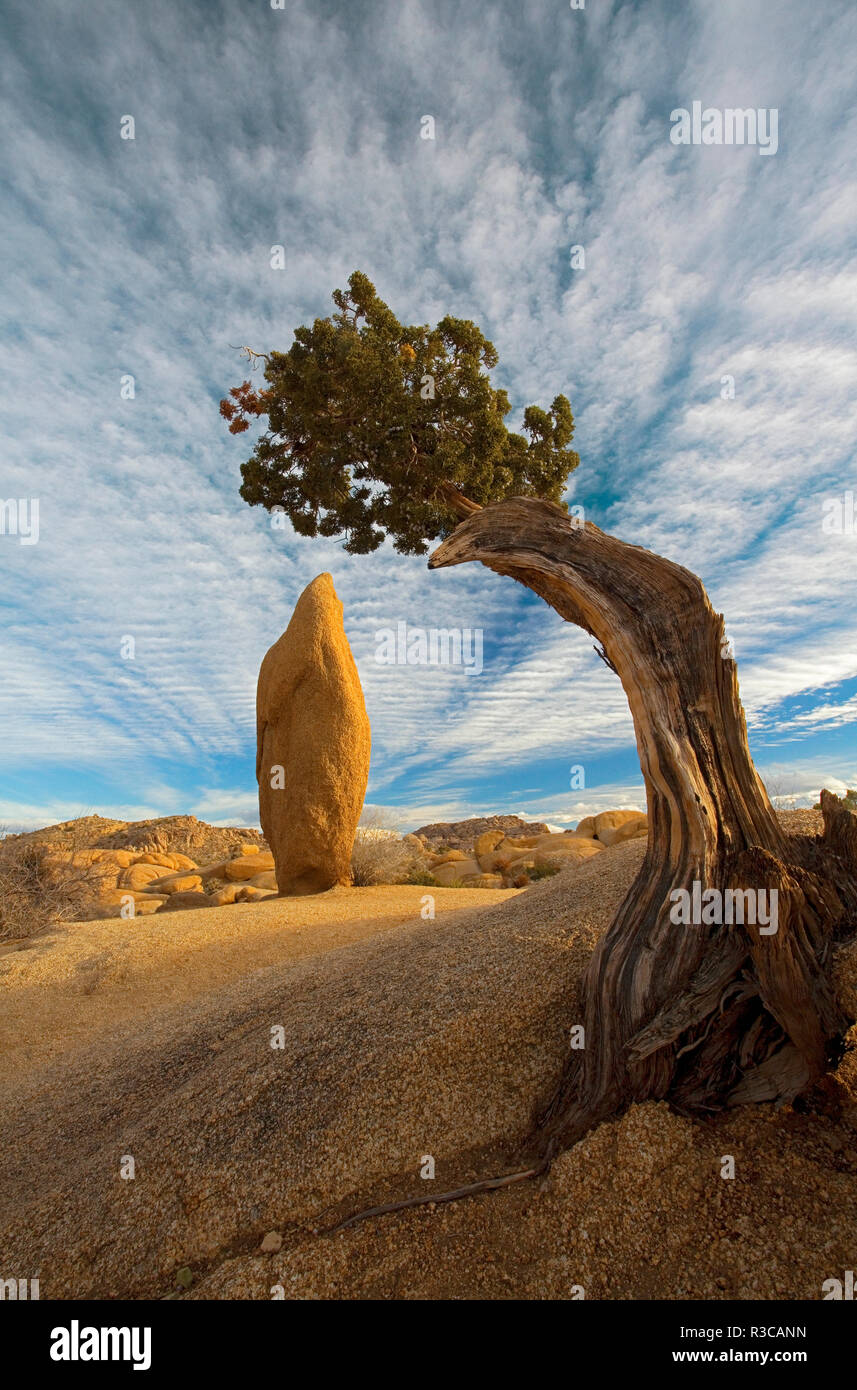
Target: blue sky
[[301, 127]]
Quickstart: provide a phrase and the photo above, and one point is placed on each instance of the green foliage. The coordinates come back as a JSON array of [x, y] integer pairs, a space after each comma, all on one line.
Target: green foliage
[[422, 878], [369, 423], [542, 871]]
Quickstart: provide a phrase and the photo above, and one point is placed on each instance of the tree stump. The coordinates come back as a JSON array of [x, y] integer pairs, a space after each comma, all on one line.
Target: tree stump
[[704, 1014]]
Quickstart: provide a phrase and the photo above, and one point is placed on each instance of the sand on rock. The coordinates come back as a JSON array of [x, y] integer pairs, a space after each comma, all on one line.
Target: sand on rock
[[284, 1089]]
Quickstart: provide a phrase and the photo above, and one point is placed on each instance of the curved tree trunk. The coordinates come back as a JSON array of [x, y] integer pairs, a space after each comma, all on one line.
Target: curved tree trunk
[[705, 1014]]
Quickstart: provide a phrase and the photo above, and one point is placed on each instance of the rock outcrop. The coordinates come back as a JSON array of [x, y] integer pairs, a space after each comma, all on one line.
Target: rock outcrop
[[182, 839], [611, 827], [312, 746], [463, 834]]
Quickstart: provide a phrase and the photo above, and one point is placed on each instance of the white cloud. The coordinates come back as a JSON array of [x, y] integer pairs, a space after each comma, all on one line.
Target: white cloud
[[151, 257]]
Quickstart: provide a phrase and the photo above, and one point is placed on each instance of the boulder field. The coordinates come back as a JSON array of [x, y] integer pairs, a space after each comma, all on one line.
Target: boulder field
[[497, 861], [132, 885], [127, 883]]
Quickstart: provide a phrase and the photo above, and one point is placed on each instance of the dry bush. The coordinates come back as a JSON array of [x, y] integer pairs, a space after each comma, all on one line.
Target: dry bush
[[380, 855], [34, 895]]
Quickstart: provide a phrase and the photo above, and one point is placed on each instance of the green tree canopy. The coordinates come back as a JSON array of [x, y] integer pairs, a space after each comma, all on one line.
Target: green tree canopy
[[374, 428]]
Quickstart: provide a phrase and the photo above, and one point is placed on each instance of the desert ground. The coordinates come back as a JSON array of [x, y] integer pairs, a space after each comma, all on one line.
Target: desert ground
[[402, 1038]]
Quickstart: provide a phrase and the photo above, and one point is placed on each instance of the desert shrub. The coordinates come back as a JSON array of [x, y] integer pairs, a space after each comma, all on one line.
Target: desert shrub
[[35, 895], [421, 878], [379, 854], [542, 871], [780, 786]]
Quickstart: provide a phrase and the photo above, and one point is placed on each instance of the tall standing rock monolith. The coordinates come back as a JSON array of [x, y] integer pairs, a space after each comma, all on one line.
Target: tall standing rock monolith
[[312, 746]]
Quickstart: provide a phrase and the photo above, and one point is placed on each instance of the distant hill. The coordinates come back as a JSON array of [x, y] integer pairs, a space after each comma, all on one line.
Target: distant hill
[[461, 834], [168, 835]]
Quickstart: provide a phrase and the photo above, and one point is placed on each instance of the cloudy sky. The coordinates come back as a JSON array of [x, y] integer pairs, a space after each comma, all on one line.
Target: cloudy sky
[[301, 126]]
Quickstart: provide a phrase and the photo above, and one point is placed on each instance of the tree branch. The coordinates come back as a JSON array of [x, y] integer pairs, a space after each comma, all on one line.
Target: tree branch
[[605, 658], [252, 357], [458, 504]]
